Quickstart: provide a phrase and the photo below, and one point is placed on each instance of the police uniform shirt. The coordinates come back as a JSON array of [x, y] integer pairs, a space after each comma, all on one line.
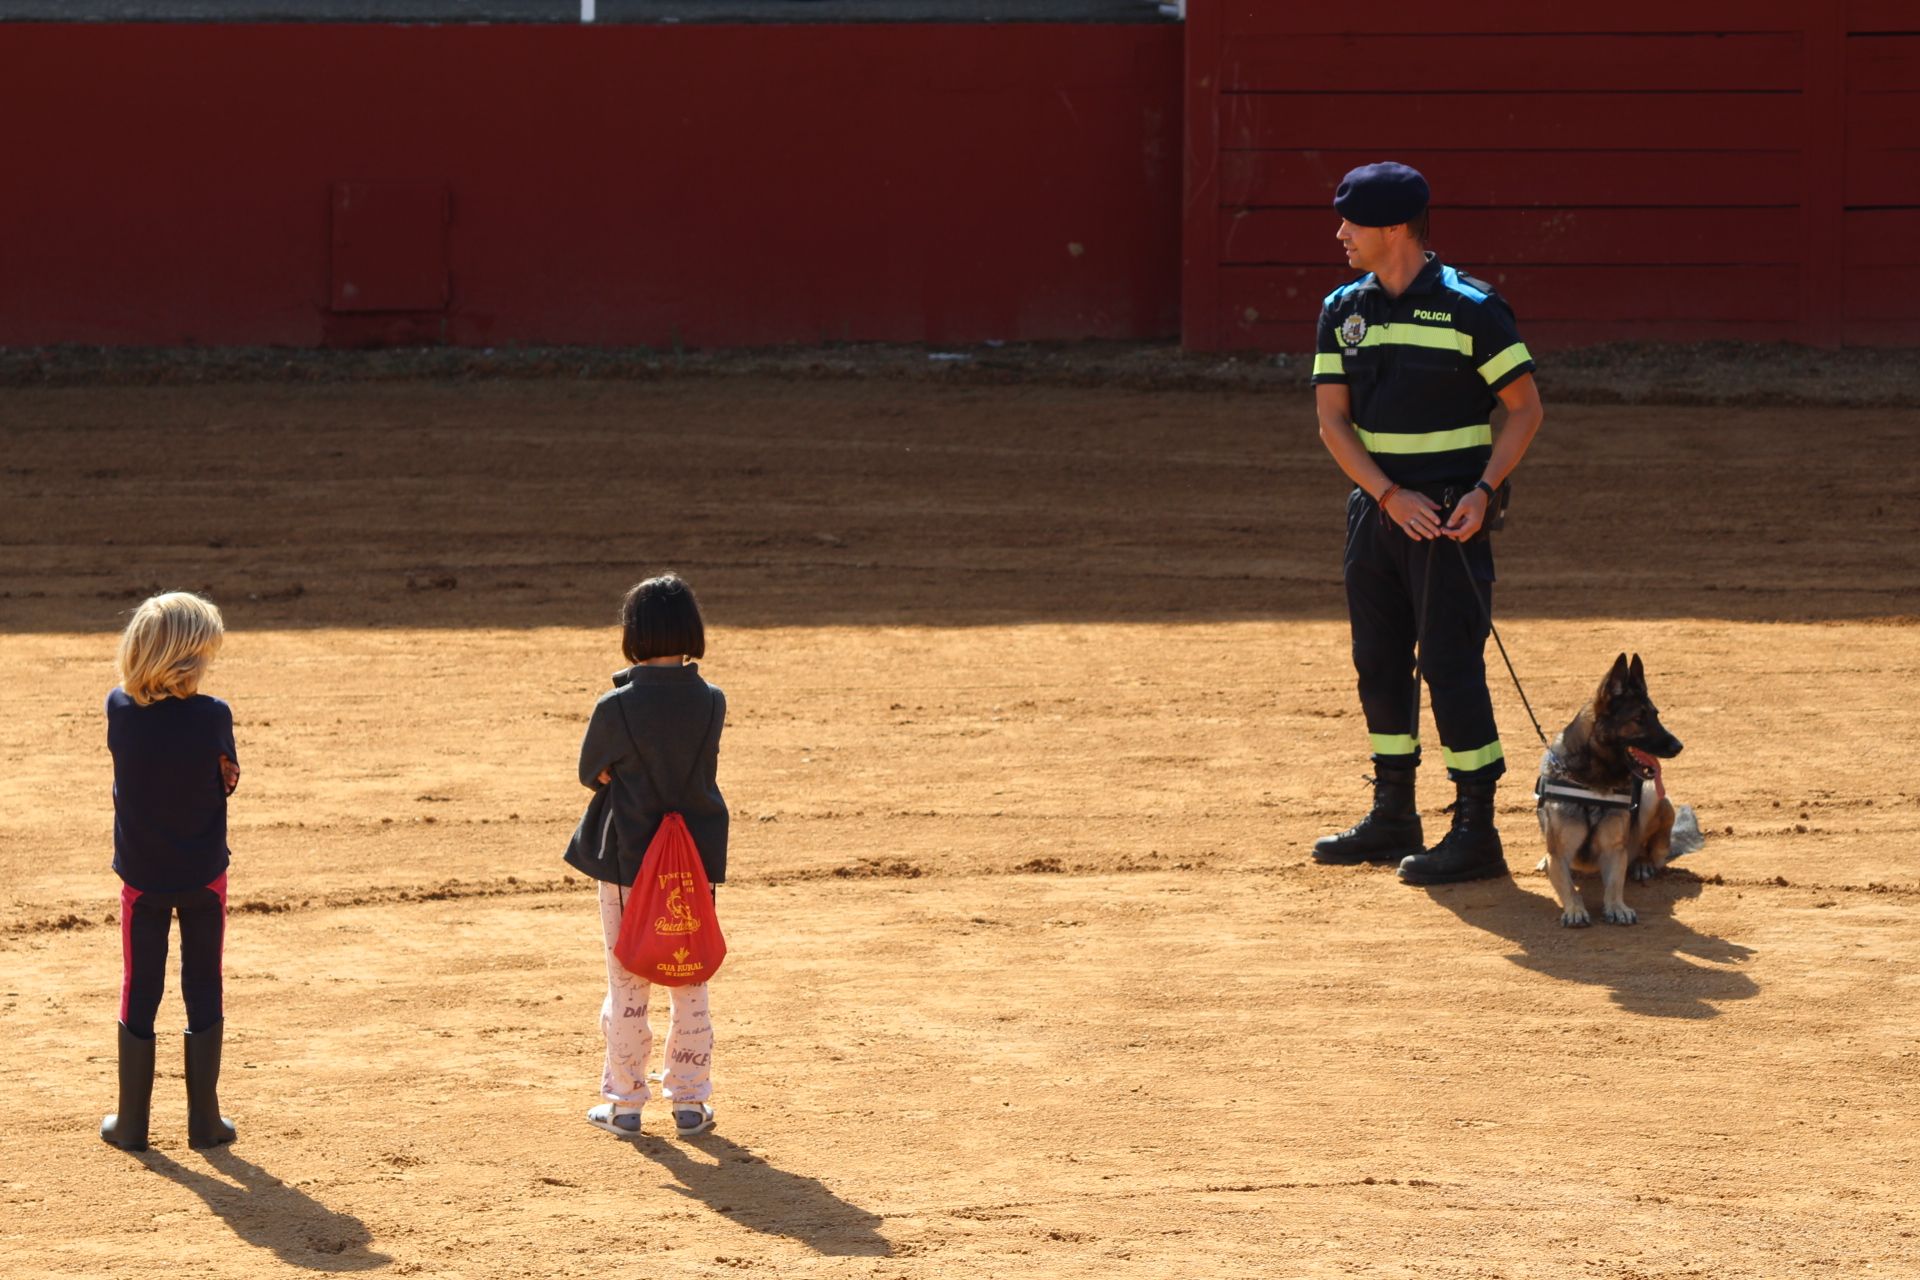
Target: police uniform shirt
[[1424, 371]]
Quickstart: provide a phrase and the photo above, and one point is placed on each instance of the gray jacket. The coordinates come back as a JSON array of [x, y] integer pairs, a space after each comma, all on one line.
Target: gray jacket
[[658, 732]]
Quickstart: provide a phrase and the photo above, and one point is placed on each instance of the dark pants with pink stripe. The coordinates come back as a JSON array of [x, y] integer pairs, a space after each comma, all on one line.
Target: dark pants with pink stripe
[[145, 921]]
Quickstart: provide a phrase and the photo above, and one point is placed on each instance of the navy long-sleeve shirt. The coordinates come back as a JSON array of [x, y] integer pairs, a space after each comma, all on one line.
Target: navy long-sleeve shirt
[[169, 800]]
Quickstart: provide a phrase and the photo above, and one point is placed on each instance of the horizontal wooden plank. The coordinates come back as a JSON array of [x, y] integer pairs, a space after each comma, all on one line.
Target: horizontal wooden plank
[[1588, 237], [1517, 179], [1530, 121], [1494, 17], [1877, 238], [1876, 294], [1883, 120], [1878, 333], [1883, 63], [1882, 15], [1883, 149], [1883, 175], [1559, 335], [1292, 295], [1548, 336], [1514, 63]]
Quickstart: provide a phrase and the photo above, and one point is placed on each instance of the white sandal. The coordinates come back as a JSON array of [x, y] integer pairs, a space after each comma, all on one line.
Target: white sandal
[[691, 1122], [623, 1122]]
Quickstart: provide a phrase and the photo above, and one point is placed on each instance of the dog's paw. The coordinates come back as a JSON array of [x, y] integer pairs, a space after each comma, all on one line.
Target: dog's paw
[[1644, 869], [1575, 918], [1622, 914]]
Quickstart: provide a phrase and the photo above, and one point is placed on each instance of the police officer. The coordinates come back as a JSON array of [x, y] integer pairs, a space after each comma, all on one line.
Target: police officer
[[1413, 361]]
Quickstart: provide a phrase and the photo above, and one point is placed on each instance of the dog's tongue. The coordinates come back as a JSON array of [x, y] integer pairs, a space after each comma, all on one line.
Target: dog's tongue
[[1653, 763]]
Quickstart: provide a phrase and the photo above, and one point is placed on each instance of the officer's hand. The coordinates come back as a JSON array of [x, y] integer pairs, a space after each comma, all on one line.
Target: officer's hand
[[1416, 514], [1468, 514]]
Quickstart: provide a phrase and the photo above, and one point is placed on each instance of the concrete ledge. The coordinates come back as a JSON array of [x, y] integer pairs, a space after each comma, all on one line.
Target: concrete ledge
[[568, 11]]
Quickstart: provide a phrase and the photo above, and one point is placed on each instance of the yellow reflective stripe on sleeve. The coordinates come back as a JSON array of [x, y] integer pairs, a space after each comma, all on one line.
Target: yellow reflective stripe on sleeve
[[1425, 441], [1393, 744], [1504, 363], [1479, 759], [1328, 362], [1418, 335]]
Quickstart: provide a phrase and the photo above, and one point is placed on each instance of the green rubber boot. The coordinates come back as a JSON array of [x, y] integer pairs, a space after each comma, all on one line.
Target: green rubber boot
[[127, 1127], [206, 1127]]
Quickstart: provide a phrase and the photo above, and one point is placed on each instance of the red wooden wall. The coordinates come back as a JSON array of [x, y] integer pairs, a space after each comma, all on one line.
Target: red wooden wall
[[312, 184], [1642, 169]]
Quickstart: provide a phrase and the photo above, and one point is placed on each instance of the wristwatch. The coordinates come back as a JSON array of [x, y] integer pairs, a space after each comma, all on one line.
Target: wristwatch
[[1487, 489]]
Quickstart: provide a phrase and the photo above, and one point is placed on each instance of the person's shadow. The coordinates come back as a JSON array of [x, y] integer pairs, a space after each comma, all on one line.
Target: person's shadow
[[745, 1188], [269, 1214], [1648, 966]]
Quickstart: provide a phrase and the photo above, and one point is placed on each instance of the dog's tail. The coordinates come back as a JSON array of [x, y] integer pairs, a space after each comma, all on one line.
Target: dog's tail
[[1687, 836]]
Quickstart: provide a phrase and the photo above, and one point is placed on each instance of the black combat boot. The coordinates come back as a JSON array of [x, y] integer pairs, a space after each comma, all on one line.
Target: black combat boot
[[1469, 851], [206, 1127], [1387, 834], [127, 1127]]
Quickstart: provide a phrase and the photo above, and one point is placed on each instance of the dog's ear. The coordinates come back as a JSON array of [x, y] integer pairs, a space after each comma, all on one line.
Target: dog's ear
[[1638, 672], [1615, 684]]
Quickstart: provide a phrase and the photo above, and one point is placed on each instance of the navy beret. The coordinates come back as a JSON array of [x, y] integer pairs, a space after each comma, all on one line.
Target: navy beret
[[1381, 195]]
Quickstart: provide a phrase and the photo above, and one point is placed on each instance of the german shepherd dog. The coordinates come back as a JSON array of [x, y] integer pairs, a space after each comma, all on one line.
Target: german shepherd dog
[[1603, 806]]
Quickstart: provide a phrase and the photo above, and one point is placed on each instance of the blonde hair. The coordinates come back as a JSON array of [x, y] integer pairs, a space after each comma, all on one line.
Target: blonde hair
[[168, 645]]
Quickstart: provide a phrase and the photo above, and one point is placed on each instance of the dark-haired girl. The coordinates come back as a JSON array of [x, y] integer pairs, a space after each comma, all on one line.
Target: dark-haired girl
[[652, 748]]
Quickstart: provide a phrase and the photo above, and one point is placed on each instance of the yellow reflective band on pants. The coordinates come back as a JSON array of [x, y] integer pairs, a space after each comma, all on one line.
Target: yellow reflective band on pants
[[1504, 363], [1394, 744], [1467, 761], [1425, 441]]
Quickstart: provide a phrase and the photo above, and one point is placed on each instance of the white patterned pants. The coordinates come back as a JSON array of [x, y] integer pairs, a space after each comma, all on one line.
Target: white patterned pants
[[688, 1073]]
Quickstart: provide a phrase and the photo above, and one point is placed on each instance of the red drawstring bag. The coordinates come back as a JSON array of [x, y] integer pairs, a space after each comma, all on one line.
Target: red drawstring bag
[[669, 932]]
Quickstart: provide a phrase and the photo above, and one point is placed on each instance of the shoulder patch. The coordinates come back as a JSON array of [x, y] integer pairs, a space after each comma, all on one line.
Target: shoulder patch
[[1468, 287]]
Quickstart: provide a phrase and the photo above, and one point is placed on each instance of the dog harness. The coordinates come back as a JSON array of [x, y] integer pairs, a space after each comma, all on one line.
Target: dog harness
[[1593, 805], [1566, 792]]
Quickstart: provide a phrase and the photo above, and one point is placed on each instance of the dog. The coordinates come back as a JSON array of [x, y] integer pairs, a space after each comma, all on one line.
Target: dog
[[1603, 806]]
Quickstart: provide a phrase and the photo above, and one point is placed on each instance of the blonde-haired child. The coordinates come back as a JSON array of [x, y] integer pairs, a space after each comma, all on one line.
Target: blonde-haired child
[[174, 765]]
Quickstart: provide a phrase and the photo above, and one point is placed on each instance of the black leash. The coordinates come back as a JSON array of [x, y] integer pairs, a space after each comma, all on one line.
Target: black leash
[[1486, 613], [1420, 633]]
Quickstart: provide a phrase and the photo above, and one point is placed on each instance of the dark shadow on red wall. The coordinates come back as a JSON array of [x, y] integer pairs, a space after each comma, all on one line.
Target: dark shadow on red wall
[[700, 185]]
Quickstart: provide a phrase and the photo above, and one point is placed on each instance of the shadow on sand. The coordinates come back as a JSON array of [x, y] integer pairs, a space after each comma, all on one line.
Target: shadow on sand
[[744, 1187], [269, 1214], [1649, 967]]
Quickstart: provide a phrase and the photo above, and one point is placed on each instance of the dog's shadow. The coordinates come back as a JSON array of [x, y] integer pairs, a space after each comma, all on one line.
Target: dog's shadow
[[1650, 966], [744, 1187], [269, 1214]]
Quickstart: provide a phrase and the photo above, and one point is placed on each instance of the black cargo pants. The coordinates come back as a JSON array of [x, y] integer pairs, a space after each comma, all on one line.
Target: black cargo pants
[[1386, 572]]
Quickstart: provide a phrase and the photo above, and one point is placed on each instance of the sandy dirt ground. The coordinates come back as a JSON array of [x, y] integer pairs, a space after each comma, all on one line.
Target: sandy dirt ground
[[1038, 697]]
